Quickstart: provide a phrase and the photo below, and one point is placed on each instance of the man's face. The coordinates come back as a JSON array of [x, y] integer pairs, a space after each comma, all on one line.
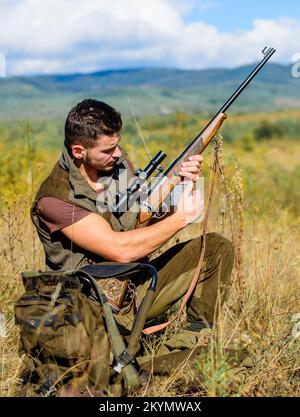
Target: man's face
[[104, 155]]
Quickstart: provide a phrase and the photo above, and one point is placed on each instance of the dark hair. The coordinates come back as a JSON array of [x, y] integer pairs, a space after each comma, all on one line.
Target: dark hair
[[89, 120]]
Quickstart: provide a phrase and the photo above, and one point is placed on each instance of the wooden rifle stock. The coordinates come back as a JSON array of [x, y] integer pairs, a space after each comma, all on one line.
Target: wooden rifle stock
[[165, 184]]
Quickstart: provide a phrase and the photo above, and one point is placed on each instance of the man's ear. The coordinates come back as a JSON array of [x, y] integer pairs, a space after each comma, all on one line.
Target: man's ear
[[78, 151]]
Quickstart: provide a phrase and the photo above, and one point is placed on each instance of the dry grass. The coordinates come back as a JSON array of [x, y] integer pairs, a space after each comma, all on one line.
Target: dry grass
[[257, 315], [19, 251]]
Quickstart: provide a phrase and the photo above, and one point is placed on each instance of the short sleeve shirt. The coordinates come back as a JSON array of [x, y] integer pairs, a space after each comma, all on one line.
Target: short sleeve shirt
[[58, 214]]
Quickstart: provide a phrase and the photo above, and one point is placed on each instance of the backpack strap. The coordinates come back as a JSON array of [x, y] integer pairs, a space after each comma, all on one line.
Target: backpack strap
[[124, 357]]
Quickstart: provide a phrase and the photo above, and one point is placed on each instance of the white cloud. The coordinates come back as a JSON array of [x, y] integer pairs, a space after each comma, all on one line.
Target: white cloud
[[2, 65], [75, 36]]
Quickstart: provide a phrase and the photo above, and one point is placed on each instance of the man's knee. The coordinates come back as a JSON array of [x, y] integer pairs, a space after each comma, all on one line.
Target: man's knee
[[221, 244]]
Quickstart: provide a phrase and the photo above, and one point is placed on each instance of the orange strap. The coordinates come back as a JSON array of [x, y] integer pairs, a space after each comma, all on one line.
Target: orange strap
[[153, 329]]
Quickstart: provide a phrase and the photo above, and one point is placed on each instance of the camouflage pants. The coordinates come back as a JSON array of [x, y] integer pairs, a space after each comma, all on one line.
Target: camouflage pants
[[176, 268]]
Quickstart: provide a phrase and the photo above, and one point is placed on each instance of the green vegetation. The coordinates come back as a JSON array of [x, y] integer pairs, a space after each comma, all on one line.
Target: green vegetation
[[256, 205], [151, 91]]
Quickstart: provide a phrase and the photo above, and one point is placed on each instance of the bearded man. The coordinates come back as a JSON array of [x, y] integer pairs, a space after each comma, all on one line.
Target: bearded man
[[74, 232]]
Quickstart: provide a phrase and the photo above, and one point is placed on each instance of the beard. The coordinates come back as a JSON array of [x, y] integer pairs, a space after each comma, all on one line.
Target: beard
[[98, 166]]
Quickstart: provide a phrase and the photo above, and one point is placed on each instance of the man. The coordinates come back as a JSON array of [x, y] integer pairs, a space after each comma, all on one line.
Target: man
[[73, 231]]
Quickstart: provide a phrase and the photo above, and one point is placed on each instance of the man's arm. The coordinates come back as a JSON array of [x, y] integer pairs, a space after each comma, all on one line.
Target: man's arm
[[94, 233]]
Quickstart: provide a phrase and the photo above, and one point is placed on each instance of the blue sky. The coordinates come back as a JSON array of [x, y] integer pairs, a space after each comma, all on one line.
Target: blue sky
[[230, 15], [71, 36]]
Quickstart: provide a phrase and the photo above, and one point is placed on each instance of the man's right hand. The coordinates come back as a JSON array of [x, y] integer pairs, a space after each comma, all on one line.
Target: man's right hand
[[190, 207]]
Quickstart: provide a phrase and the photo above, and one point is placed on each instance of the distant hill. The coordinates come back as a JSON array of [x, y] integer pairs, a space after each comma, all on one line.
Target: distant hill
[[149, 91]]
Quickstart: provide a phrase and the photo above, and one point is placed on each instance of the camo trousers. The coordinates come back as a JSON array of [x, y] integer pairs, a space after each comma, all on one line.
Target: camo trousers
[[176, 268]]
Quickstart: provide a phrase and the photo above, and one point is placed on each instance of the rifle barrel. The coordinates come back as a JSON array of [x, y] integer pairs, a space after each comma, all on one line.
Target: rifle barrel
[[267, 56], [268, 52], [228, 103]]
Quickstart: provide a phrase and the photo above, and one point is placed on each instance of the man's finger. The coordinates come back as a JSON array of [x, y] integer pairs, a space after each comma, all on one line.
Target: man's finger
[[196, 158], [191, 168], [189, 164], [190, 175]]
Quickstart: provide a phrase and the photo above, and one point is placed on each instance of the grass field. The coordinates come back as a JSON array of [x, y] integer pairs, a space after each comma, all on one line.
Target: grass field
[[256, 205]]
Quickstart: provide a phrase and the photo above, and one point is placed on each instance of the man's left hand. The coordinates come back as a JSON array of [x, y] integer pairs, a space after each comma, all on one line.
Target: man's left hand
[[192, 168]]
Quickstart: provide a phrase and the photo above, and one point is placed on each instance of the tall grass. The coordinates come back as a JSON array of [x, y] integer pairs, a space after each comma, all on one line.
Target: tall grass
[[253, 207], [257, 315]]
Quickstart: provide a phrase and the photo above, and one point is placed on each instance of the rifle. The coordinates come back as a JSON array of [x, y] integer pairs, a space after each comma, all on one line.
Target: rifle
[[166, 181]]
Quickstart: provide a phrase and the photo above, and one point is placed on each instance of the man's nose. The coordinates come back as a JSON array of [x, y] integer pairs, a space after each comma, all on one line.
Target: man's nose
[[117, 153]]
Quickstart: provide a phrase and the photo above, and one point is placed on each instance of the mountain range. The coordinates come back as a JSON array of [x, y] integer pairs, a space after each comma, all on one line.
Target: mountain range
[[147, 91]]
